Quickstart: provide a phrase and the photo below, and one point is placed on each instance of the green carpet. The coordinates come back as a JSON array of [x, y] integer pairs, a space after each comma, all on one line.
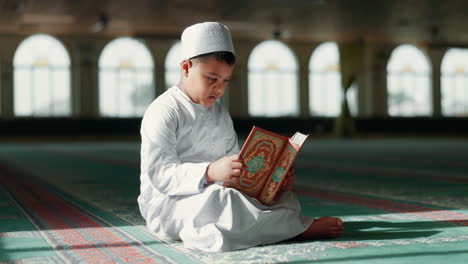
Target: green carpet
[[402, 200]]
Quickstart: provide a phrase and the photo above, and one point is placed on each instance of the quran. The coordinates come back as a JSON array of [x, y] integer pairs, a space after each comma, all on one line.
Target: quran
[[266, 157]]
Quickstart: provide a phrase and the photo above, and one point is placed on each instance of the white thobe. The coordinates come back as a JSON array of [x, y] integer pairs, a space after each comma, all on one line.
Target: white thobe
[[179, 140]]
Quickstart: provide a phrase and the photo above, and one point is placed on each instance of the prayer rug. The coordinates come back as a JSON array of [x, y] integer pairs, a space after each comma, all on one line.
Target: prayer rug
[[402, 201], [75, 235]]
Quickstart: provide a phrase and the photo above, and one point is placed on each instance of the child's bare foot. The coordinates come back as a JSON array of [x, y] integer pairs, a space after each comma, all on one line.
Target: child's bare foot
[[324, 227]]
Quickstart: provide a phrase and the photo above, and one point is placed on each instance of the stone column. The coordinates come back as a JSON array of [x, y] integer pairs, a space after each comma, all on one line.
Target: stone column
[[159, 49], [6, 85], [237, 93], [376, 98], [303, 53], [85, 77], [8, 46], [436, 54]]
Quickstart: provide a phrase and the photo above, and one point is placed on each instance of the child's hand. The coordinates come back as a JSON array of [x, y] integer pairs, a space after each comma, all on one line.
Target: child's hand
[[288, 181], [227, 169]]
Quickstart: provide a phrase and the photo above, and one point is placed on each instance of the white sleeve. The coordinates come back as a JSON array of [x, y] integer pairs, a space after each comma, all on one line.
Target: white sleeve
[[159, 160]]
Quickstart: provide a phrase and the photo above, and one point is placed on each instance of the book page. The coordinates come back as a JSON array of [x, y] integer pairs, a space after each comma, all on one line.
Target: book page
[[299, 138]]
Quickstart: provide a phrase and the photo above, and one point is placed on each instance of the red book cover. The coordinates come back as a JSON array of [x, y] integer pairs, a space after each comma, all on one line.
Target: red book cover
[[266, 157], [281, 168]]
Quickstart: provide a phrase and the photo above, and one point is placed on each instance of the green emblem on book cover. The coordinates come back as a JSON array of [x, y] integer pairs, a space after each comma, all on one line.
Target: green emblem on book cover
[[256, 164], [277, 175]]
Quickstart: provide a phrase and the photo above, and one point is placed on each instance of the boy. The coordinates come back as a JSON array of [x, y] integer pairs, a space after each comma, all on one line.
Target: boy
[[189, 148]]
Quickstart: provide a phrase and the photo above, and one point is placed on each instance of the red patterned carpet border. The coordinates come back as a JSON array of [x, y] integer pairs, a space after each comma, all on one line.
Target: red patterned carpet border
[[76, 235], [448, 216], [384, 171]]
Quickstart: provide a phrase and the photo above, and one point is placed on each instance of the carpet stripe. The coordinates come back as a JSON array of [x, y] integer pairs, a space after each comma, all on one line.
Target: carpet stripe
[[384, 171], [76, 235], [329, 165], [448, 216], [387, 159]]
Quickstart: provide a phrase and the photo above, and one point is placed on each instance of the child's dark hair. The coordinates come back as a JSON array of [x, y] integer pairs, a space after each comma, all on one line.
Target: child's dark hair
[[225, 56]]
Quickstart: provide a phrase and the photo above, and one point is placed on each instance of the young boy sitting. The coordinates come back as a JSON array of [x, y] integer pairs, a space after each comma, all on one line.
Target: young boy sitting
[[189, 149]]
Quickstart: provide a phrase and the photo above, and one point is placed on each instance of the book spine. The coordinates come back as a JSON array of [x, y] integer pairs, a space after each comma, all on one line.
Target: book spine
[[278, 174]]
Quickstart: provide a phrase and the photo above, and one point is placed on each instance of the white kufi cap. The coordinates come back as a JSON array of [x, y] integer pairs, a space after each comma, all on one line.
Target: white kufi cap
[[205, 38]]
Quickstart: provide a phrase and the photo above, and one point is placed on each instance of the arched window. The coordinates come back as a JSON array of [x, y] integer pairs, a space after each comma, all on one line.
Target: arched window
[[272, 80], [325, 92], [408, 83], [172, 64], [41, 77], [454, 88], [126, 85]]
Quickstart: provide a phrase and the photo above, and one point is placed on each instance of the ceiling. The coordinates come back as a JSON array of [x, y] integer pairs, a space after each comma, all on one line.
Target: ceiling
[[427, 21]]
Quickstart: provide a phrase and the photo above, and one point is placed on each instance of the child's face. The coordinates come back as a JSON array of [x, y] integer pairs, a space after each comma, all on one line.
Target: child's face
[[207, 80]]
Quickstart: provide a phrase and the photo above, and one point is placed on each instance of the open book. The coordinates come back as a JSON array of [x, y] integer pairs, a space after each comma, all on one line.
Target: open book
[[266, 157]]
